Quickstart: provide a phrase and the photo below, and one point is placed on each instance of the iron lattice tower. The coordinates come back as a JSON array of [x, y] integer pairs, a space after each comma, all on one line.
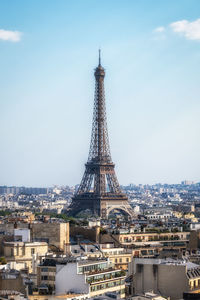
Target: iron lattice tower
[[99, 189]]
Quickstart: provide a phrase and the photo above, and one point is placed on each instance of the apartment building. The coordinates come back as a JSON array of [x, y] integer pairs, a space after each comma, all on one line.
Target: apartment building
[[11, 280], [118, 257], [171, 278], [55, 234], [24, 254], [129, 238], [46, 273], [90, 276]]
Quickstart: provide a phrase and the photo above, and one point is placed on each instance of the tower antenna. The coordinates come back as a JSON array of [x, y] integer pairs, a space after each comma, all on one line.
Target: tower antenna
[[99, 57]]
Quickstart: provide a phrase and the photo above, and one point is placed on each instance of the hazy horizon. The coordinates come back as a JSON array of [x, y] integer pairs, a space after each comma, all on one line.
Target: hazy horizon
[[62, 185]]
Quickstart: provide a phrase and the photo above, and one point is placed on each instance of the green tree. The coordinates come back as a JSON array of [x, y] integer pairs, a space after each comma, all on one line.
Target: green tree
[[3, 261]]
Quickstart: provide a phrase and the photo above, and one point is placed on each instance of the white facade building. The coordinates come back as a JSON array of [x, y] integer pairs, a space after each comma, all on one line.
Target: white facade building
[[93, 277]]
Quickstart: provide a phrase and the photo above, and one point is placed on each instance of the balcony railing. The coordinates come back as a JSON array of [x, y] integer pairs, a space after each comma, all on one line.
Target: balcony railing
[[106, 277]]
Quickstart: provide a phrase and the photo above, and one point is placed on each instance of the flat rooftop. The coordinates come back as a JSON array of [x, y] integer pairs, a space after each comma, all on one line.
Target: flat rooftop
[[91, 262], [167, 261], [64, 296]]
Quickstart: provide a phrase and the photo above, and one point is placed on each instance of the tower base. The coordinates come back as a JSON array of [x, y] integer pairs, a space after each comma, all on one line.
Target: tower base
[[100, 206]]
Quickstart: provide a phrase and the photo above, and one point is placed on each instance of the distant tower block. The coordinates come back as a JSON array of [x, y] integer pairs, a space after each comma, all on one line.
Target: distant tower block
[[99, 189]]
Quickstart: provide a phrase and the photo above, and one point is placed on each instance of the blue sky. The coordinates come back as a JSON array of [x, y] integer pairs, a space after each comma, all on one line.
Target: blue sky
[[151, 53]]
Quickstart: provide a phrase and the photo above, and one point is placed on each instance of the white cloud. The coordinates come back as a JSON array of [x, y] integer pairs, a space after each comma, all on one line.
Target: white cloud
[[12, 36], [191, 30], [159, 29]]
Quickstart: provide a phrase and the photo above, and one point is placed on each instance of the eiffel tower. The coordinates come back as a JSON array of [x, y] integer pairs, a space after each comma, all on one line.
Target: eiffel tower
[[99, 189]]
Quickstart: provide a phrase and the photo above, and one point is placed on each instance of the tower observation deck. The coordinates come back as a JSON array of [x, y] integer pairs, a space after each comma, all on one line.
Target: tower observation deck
[[99, 189]]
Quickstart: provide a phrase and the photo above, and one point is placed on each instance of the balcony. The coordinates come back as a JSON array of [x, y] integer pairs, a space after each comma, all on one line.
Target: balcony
[[105, 277]]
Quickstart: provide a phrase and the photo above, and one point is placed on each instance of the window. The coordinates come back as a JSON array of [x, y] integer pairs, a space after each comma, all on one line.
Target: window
[[44, 269], [120, 260], [107, 276], [32, 251], [80, 270], [127, 259], [116, 260], [52, 278]]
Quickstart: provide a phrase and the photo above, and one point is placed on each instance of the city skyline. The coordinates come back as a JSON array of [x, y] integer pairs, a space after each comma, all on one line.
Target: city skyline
[[151, 55]]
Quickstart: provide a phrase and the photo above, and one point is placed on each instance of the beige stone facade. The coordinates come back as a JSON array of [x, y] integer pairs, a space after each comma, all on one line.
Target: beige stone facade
[[130, 238], [117, 256], [56, 234], [21, 252], [91, 234]]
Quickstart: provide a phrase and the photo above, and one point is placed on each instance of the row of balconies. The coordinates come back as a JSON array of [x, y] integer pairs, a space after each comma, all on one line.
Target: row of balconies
[[152, 238], [106, 286], [105, 277]]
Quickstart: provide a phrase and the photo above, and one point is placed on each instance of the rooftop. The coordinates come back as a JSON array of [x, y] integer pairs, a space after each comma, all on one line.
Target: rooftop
[[26, 243], [168, 261], [64, 296], [91, 261]]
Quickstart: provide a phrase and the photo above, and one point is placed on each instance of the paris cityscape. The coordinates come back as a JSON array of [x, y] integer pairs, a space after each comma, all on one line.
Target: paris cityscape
[[99, 181]]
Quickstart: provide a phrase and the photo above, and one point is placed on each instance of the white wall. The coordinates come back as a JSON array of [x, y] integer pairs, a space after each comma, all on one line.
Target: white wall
[[194, 226], [67, 280], [24, 233]]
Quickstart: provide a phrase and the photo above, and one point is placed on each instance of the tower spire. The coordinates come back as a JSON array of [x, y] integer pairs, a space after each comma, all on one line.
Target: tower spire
[[99, 57]]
